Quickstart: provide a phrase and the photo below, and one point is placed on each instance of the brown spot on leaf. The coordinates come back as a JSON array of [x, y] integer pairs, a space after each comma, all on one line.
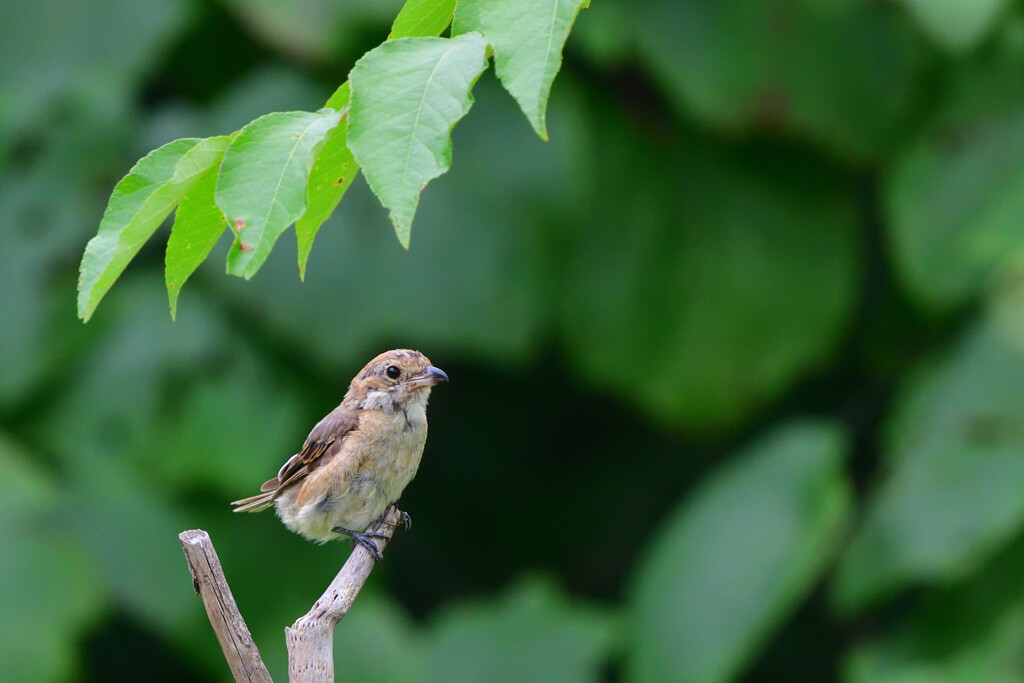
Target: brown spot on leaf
[[340, 180], [244, 246], [239, 224]]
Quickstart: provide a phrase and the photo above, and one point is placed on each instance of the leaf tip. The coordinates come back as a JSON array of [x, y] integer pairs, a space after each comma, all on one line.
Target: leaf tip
[[403, 233], [172, 299], [539, 123], [85, 308]]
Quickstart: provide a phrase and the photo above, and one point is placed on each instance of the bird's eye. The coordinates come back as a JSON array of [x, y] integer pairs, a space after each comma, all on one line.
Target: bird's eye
[[393, 372]]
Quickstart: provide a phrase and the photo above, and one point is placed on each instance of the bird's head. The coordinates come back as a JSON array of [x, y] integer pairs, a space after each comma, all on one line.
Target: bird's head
[[394, 378]]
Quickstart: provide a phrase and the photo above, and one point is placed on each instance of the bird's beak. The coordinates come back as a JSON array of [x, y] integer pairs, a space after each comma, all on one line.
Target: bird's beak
[[428, 378]]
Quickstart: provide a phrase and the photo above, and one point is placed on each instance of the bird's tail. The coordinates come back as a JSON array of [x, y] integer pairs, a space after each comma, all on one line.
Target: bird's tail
[[255, 503]]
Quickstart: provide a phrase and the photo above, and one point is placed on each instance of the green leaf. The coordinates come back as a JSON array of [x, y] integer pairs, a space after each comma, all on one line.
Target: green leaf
[[957, 25], [532, 633], [507, 262], [951, 496], [423, 18], [842, 76], [198, 225], [991, 656], [954, 196], [965, 634], [407, 94], [733, 275], [738, 556], [333, 172], [137, 207], [335, 167], [339, 99], [262, 184], [527, 38]]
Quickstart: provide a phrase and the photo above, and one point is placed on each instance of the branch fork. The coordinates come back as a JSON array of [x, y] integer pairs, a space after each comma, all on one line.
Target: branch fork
[[310, 639]]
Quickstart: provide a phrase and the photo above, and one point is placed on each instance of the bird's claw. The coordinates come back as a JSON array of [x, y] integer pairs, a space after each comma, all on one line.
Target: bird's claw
[[364, 538], [403, 517]]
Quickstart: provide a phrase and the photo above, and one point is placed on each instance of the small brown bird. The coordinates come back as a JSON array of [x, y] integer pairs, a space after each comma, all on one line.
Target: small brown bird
[[357, 461]]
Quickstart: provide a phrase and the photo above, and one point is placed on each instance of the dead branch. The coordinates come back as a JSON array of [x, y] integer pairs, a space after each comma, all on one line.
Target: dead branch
[[310, 639], [209, 582]]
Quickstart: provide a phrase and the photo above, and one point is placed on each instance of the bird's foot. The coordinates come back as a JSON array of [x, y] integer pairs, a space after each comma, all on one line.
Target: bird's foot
[[364, 539], [403, 517]]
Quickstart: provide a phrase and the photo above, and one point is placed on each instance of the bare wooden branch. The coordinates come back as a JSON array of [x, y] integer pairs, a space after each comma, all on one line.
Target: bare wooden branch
[[209, 582], [311, 638]]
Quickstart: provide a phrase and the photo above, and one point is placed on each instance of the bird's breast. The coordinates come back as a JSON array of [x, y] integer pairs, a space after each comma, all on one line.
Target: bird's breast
[[392, 446]]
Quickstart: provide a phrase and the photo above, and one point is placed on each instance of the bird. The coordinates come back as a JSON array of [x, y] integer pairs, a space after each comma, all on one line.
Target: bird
[[357, 460]]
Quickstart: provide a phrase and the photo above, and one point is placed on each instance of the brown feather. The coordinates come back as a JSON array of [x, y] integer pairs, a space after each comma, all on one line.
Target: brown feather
[[322, 444], [254, 503]]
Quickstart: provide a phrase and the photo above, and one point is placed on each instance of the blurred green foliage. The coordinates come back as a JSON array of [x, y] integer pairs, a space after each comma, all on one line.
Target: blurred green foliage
[[737, 357]]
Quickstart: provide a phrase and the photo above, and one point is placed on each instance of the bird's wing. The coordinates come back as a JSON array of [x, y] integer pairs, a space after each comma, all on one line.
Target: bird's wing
[[322, 444]]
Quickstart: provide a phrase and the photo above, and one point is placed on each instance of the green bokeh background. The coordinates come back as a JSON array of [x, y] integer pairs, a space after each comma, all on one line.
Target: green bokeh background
[[737, 357]]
